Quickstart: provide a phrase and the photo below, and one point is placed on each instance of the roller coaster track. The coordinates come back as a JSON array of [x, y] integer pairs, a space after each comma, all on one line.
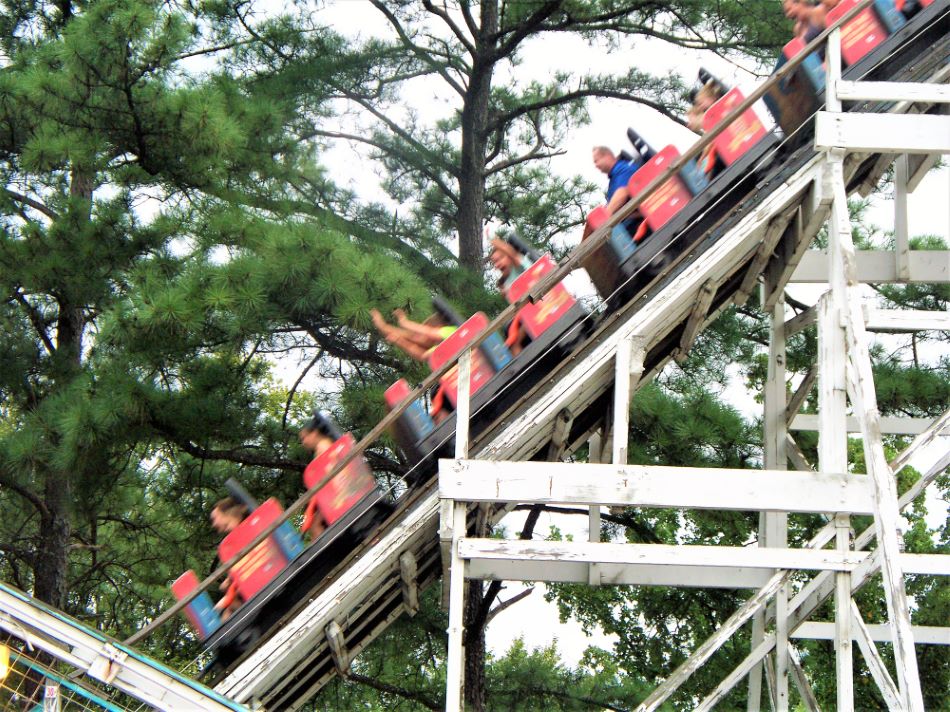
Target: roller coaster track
[[764, 235]]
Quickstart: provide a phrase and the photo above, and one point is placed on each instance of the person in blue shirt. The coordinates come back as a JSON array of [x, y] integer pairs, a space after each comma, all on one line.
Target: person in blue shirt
[[618, 173]]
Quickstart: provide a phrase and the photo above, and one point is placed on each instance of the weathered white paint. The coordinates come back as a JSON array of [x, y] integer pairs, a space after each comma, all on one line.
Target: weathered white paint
[[876, 133], [900, 320], [891, 425], [805, 691], [604, 574], [879, 267], [887, 515], [556, 552], [652, 486], [879, 632], [408, 570], [876, 666], [893, 91], [901, 231]]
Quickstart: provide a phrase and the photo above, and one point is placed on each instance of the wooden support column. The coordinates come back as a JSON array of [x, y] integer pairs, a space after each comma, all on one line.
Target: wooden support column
[[336, 642], [456, 512], [832, 400], [562, 430], [802, 684], [887, 520], [696, 319], [901, 237], [833, 457], [876, 666], [408, 573], [773, 526]]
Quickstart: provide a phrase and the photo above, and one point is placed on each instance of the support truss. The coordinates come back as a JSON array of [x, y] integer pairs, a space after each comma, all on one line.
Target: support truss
[[779, 606]]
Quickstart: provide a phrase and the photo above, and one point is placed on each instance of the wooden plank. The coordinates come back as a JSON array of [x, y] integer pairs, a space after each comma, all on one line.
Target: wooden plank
[[808, 221], [796, 456], [918, 167], [889, 424], [562, 429], [883, 133], [906, 320], [878, 267], [901, 230], [697, 317], [730, 577], [555, 552], [455, 657], [802, 684], [801, 393], [876, 666], [800, 322], [879, 632], [408, 571], [652, 486], [773, 234], [337, 645], [893, 91]]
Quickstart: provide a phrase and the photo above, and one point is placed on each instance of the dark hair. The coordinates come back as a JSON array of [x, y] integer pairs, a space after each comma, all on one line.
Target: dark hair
[[231, 507], [324, 425]]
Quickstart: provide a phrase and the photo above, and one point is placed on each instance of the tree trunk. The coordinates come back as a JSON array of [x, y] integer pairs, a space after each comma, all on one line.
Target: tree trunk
[[471, 210], [474, 648], [55, 529]]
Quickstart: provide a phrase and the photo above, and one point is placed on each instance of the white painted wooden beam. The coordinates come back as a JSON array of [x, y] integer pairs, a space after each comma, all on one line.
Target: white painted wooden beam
[[901, 227], [408, 572], [864, 401], [800, 322], [731, 577], [697, 318], [802, 684], [516, 551], [880, 633], [883, 133], [876, 666], [906, 320], [653, 486], [893, 91], [889, 425], [878, 267], [336, 642], [562, 429]]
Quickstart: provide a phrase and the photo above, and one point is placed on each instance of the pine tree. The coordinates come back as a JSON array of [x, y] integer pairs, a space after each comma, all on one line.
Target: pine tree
[[150, 262]]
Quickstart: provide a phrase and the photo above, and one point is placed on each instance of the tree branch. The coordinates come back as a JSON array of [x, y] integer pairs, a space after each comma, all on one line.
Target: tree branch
[[36, 320], [528, 26], [35, 204], [393, 690], [502, 119], [27, 494], [416, 50], [507, 604], [456, 30]]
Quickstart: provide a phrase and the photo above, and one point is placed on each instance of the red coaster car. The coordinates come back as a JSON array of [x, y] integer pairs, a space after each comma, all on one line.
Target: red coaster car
[[869, 29], [262, 564], [668, 199], [738, 137], [337, 496]]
